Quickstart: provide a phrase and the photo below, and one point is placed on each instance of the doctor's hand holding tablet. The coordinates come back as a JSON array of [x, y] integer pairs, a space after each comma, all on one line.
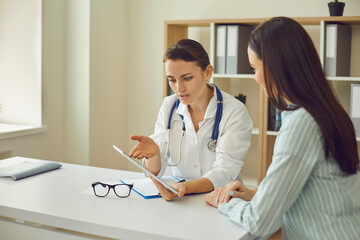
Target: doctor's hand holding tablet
[[201, 133]]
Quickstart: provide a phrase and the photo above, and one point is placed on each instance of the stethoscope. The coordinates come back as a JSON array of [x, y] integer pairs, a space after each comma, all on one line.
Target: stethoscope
[[215, 132]]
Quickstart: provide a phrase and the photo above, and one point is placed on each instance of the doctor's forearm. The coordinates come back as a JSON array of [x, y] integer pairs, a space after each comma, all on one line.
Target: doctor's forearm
[[199, 185], [154, 164]]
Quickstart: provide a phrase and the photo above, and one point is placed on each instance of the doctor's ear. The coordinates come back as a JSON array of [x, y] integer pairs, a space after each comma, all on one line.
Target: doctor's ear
[[208, 72]]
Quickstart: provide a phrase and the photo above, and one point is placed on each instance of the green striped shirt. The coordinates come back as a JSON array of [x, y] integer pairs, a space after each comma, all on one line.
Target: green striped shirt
[[303, 191]]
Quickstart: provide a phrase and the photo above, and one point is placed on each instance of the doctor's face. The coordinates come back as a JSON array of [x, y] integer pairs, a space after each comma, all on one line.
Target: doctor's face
[[257, 65], [187, 80]]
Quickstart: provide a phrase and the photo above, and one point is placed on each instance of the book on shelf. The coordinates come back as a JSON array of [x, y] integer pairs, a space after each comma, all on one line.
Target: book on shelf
[[236, 49], [337, 49], [220, 48], [355, 107], [231, 48], [274, 119]]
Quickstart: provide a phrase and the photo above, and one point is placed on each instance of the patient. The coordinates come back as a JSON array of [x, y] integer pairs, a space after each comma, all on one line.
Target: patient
[[312, 185]]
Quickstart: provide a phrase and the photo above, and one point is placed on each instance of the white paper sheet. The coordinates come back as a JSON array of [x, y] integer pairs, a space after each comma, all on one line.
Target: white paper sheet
[[146, 187]]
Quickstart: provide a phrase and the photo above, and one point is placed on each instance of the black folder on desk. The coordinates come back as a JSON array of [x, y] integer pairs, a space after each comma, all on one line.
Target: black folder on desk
[[27, 169]]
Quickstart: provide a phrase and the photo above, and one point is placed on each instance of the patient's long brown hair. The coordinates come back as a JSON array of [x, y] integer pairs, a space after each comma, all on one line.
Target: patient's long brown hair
[[293, 71]]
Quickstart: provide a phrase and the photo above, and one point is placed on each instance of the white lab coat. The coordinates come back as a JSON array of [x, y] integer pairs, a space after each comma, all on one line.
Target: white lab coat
[[197, 161]]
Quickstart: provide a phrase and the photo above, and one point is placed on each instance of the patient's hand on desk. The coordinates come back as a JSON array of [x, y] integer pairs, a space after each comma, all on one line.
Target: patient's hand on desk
[[166, 194], [145, 148], [212, 198], [224, 194]]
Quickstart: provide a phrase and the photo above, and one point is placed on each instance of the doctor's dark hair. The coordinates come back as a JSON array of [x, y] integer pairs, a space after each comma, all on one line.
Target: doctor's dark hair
[[292, 70], [188, 50]]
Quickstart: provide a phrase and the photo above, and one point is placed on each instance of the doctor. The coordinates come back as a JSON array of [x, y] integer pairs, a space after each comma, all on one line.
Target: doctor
[[201, 132]]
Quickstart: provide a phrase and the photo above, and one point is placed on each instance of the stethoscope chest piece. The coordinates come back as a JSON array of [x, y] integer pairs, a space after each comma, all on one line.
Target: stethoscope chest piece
[[212, 145]]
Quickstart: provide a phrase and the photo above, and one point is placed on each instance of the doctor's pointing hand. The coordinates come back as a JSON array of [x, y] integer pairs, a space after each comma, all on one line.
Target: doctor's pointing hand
[[201, 133]]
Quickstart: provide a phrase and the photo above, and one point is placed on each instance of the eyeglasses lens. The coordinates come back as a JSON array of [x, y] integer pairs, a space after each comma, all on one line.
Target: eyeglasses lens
[[122, 190], [101, 190]]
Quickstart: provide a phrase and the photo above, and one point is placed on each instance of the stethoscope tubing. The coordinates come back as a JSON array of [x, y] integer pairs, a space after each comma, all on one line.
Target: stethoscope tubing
[[214, 134]]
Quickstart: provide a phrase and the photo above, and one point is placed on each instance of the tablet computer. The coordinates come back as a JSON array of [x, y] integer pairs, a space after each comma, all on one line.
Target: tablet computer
[[133, 161]]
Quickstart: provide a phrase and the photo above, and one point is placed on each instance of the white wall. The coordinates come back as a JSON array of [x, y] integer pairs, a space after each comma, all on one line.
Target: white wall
[[76, 81], [95, 97], [108, 82], [103, 71]]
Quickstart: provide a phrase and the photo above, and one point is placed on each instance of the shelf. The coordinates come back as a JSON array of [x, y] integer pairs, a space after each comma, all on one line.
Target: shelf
[[250, 182], [258, 105], [255, 131], [239, 76], [344, 79], [272, 133], [256, 21]]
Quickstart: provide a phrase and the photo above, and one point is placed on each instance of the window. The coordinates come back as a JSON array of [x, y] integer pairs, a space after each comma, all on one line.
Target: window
[[20, 65]]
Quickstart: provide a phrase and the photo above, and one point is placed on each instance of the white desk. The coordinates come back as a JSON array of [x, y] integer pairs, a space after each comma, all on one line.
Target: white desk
[[54, 199]]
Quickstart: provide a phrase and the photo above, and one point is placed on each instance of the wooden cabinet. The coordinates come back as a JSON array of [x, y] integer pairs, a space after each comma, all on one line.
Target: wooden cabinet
[[260, 153]]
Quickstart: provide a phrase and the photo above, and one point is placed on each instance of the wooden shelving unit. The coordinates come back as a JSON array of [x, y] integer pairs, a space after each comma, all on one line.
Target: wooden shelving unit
[[257, 103]]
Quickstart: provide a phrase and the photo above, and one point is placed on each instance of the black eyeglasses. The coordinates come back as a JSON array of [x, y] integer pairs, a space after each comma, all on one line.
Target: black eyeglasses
[[120, 190]]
